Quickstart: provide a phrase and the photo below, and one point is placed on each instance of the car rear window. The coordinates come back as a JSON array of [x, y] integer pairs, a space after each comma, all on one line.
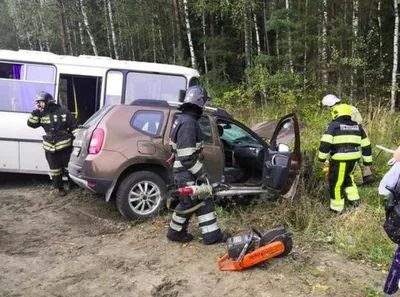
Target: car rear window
[[148, 122], [97, 116]]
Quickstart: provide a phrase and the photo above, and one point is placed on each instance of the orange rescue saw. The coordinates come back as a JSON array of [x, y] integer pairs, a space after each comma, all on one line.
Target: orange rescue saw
[[254, 248]]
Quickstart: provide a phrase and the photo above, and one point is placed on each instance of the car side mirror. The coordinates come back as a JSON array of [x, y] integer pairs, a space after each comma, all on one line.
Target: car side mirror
[[283, 148]]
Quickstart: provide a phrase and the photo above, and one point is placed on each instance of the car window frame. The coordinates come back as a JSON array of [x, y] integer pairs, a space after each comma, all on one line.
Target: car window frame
[[158, 134]]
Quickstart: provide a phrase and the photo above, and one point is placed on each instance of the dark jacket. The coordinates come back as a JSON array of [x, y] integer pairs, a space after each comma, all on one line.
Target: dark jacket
[[343, 139], [58, 123], [187, 143]]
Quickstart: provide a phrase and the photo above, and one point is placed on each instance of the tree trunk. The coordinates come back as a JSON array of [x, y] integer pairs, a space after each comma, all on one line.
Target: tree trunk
[[87, 26], [257, 34], [395, 57], [380, 30], [178, 25], [64, 46], [153, 35], [189, 34], [305, 47], [114, 37], [46, 40], [246, 38], [266, 30], [81, 38], [289, 38], [107, 29], [324, 55], [203, 21], [354, 47]]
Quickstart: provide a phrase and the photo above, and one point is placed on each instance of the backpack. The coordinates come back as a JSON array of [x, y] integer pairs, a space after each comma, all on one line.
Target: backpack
[[392, 209]]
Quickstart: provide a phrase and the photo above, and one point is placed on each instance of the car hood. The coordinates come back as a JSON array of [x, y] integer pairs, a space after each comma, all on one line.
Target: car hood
[[266, 129]]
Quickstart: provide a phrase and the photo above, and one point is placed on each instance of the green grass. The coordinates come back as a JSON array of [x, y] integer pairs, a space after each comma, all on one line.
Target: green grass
[[359, 233]]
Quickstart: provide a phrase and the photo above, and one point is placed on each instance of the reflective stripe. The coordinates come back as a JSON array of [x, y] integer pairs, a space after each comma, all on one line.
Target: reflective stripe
[[173, 144], [322, 156], [75, 132], [367, 159], [352, 193], [347, 139], [339, 182], [196, 167], [63, 117], [178, 219], [327, 138], [346, 156], [209, 228], [337, 205], [55, 172], [177, 164], [175, 227], [33, 119], [185, 151], [58, 146], [365, 142], [206, 217]]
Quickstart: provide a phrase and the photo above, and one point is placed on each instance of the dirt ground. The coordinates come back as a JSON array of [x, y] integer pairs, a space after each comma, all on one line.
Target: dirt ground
[[81, 246]]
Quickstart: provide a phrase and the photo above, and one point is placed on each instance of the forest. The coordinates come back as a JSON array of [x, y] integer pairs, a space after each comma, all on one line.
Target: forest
[[247, 51]]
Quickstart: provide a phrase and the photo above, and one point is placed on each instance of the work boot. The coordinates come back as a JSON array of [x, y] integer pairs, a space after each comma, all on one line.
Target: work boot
[[181, 237], [223, 238], [369, 179], [61, 192]]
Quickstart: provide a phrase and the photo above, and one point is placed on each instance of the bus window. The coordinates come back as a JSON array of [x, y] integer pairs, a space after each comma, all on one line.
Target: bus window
[[17, 92], [153, 86], [113, 87]]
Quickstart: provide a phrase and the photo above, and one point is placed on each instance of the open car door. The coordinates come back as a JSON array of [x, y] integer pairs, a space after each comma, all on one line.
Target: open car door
[[282, 161]]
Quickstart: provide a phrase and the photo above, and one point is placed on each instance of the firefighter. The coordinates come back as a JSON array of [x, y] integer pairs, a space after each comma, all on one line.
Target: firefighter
[[186, 144], [60, 127], [330, 101], [342, 140]]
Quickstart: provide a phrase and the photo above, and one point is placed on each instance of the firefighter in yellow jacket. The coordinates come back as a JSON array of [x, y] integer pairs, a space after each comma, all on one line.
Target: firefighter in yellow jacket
[[345, 142], [60, 127]]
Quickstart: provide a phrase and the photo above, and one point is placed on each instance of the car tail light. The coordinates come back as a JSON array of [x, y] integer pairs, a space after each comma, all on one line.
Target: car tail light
[[96, 142]]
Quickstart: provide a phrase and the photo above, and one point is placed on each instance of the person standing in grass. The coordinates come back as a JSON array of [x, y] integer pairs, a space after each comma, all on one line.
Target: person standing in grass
[[345, 142], [330, 101]]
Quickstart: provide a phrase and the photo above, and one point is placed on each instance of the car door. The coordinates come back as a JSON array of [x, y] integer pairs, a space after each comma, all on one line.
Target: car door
[[282, 161], [212, 154]]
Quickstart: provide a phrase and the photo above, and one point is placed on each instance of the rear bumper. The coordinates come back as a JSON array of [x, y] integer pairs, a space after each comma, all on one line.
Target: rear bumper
[[95, 185]]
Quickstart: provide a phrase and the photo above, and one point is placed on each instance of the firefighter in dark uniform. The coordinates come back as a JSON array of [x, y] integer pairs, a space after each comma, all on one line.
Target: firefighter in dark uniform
[[342, 140], [60, 127], [186, 143]]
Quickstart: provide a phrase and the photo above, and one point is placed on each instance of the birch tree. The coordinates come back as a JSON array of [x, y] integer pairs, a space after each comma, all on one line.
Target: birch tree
[[289, 37], [395, 56], [189, 34], [324, 43], [87, 26], [114, 37], [353, 47]]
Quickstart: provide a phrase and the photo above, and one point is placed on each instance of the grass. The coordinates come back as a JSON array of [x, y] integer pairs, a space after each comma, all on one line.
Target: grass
[[358, 233]]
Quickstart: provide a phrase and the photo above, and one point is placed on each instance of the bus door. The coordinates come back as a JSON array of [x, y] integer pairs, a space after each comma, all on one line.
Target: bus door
[[80, 95]]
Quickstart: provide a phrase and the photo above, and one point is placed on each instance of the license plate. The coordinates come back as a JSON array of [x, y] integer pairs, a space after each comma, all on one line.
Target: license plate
[[76, 151]]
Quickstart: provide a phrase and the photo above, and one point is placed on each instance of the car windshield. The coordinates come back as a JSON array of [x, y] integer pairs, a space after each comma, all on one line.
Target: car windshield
[[235, 134]]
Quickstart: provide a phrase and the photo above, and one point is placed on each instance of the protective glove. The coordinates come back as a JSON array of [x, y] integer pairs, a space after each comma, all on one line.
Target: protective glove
[[171, 160], [203, 179], [325, 169], [36, 113]]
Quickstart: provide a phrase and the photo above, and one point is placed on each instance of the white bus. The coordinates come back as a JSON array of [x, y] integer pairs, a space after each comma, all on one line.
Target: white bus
[[82, 84]]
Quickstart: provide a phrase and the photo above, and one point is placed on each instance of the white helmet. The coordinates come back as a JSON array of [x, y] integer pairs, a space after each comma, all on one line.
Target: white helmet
[[330, 100]]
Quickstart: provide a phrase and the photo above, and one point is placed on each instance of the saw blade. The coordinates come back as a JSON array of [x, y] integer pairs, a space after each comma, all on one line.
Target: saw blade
[[385, 149]]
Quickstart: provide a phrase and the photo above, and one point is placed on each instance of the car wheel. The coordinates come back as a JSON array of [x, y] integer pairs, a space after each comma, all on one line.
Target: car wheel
[[141, 195]]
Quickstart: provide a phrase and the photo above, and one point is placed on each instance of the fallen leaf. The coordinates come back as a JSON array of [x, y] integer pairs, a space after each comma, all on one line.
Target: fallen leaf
[[320, 287]]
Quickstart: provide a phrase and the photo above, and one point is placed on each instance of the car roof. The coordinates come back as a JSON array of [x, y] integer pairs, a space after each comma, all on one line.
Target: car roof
[[218, 112]]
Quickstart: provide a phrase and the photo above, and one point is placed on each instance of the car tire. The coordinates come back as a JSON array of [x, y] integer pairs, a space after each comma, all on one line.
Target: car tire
[[141, 195]]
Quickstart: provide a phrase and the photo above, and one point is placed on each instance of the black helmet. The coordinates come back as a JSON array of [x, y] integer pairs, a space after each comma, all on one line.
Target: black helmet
[[195, 96], [44, 96]]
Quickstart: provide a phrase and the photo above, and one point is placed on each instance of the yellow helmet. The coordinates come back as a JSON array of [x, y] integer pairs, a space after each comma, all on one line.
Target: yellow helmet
[[340, 110]]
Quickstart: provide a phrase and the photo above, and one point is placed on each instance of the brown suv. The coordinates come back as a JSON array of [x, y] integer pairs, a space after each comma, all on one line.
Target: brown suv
[[123, 150]]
